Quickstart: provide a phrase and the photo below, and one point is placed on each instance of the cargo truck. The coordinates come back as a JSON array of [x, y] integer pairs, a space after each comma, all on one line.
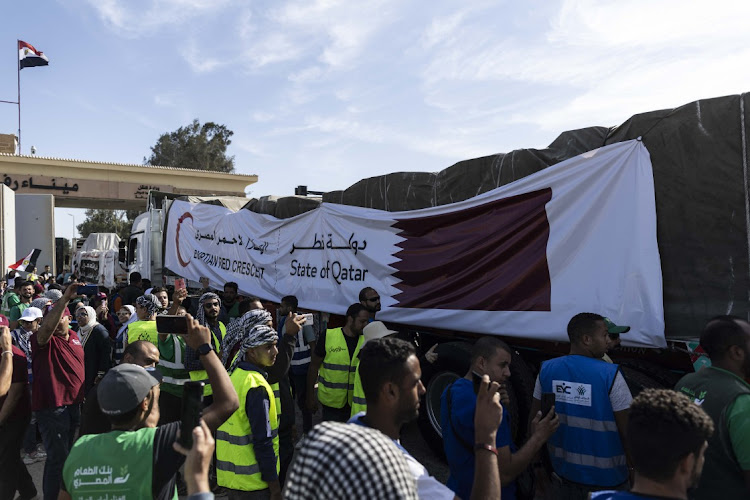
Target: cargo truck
[[699, 157]]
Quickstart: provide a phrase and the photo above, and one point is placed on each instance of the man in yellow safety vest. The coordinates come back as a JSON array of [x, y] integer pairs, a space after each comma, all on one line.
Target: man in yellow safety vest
[[334, 363]]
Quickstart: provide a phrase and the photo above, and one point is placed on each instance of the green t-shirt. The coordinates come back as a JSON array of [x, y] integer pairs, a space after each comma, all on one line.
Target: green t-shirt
[[17, 310], [10, 299]]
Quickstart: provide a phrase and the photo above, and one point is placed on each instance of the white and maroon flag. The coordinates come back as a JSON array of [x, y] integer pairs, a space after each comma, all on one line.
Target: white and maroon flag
[[29, 56], [520, 260], [29, 260]]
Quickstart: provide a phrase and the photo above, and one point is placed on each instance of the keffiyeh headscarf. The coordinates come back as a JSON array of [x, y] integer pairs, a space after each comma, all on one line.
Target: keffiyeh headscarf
[[41, 303], [258, 336], [200, 315], [150, 303], [53, 295], [238, 328]]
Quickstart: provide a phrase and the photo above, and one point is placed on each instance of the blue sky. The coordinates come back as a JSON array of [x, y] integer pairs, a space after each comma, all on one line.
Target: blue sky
[[327, 92]]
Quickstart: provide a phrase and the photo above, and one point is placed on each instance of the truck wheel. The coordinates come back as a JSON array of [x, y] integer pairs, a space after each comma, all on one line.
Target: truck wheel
[[453, 362], [638, 381], [667, 378]]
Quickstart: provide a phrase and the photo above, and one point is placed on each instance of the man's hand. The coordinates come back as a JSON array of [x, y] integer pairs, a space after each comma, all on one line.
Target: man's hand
[[197, 334], [431, 355], [102, 310], [545, 427], [179, 295], [71, 292], [5, 340], [198, 459], [293, 323], [489, 412]]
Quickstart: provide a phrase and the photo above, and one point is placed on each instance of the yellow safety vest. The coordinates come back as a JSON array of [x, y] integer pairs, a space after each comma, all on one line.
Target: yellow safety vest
[[143, 330], [336, 375], [274, 388], [359, 403], [202, 375], [236, 465]]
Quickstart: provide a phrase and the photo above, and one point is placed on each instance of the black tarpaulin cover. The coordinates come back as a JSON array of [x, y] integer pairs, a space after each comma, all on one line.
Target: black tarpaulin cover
[[699, 157]]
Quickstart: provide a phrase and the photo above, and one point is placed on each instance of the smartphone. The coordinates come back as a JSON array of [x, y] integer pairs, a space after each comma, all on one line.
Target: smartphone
[[88, 290], [179, 284], [476, 380], [192, 402], [308, 319], [166, 323], [548, 402]]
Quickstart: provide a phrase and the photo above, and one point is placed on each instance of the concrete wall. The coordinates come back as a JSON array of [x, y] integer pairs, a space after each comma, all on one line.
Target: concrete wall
[[35, 227]]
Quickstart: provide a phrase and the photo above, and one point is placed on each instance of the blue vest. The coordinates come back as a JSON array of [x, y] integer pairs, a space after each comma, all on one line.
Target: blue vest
[[586, 447]]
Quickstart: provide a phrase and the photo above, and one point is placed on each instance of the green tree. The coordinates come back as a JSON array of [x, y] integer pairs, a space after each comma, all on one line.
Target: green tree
[[107, 221], [196, 146]]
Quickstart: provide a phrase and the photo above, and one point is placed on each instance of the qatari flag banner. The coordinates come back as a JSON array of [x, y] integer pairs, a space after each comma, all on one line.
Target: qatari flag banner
[[518, 261]]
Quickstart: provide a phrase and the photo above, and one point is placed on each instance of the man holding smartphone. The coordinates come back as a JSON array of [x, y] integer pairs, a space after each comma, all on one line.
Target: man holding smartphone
[[99, 465], [490, 356]]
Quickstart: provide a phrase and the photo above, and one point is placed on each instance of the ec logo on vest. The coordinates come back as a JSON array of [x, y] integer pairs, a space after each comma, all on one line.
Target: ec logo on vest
[[562, 388], [573, 393]]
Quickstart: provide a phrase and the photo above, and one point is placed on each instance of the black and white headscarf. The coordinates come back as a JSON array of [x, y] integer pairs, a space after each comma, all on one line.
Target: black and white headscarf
[[258, 336], [342, 461], [200, 314], [53, 295], [237, 329], [150, 303]]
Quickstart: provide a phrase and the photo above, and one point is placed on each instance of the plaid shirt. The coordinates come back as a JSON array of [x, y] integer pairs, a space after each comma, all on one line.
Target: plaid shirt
[[343, 461]]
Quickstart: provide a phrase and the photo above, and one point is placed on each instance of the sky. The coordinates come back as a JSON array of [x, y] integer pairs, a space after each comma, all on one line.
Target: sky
[[324, 93]]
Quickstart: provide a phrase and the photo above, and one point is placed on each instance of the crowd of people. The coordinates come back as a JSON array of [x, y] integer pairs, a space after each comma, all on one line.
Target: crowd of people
[[102, 386]]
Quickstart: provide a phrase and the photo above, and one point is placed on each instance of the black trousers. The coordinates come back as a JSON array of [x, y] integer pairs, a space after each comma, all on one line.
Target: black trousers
[[13, 473]]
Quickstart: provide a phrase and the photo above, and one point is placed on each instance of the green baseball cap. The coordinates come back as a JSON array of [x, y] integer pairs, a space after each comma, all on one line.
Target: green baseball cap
[[615, 329]]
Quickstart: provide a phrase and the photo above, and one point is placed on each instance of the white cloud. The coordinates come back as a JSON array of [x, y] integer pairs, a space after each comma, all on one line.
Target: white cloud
[[136, 18]]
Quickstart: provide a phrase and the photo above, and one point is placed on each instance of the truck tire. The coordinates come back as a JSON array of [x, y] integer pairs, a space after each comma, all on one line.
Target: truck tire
[[453, 362], [667, 378], [638, 381]]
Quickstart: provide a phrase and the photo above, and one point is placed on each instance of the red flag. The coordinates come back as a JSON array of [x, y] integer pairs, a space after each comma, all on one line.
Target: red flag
[[29, 56], [29, 260]]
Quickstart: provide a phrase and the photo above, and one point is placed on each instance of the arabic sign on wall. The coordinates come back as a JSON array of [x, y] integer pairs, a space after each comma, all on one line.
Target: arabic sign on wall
[[520, 260], [40, 184]]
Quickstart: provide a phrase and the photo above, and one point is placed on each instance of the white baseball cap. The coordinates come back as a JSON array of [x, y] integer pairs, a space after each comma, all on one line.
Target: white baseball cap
[[30, 314]]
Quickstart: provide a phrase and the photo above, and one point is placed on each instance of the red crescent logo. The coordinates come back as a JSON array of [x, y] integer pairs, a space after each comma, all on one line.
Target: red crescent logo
[[186, 215]]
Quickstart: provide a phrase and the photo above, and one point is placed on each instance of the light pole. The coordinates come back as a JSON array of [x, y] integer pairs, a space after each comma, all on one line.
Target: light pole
[[74, 225]]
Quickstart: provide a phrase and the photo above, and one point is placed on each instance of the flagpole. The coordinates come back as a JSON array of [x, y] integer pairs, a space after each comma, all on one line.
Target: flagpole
[[18, 65]]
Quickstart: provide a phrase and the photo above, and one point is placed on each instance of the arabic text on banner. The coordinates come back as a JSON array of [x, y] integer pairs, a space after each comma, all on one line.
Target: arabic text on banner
[[520, 260]]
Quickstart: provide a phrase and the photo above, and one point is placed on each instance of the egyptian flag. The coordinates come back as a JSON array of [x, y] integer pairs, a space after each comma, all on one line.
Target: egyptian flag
[[29, 56], [28, 261]]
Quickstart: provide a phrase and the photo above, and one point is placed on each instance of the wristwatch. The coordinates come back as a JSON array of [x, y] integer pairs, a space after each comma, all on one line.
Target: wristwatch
[[205, 349]]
